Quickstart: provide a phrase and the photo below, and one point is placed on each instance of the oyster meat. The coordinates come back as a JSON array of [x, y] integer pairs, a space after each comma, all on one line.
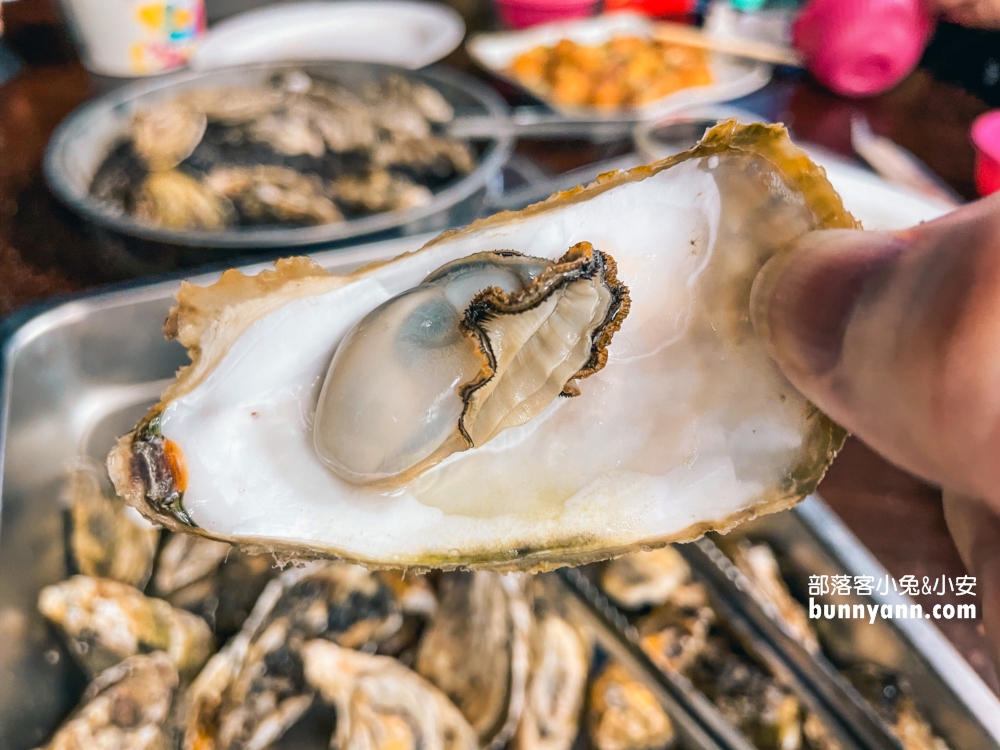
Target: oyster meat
[[106, 622], [107, 539], [126, 707], [349, 416], [476, 651]]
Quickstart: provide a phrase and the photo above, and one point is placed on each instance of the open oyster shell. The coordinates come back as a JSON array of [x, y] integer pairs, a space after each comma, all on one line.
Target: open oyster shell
[[126, 706], [688, 427]]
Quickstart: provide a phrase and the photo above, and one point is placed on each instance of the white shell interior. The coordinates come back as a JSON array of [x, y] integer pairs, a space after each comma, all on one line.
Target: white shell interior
[[689, 422]]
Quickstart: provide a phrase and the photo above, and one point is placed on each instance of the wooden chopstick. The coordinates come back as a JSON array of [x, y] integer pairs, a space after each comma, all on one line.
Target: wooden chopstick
[[676, 33]]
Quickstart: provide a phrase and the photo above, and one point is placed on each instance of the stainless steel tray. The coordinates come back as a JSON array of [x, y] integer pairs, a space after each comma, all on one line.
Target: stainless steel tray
[[77, 375]]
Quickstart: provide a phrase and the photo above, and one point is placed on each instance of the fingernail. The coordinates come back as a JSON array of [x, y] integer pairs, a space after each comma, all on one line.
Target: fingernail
[[803, 297]]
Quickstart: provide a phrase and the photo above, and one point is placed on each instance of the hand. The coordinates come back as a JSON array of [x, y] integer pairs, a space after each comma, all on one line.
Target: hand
[[896, 336], [983, 14]]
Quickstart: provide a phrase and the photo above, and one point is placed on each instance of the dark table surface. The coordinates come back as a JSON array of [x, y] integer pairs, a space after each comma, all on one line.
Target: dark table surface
[[45, 251]]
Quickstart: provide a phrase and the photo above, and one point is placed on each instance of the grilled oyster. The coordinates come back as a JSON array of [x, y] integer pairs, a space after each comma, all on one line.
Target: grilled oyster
[[253, 690], [382, 705], [688, 427], [476, 651], [126, 707], [625, 715], [107, 540], [106, 622]]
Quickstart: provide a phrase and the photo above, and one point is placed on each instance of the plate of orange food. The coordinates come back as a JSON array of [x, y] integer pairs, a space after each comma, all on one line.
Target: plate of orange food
[[613, 66]]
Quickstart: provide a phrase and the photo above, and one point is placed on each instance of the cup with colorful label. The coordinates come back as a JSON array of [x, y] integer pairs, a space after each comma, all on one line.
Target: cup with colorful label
[[129, 38]]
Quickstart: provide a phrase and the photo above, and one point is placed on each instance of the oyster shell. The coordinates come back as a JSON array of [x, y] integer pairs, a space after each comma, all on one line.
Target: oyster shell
[[106, 622], [493, 339], [689, 426], [107, 539], [476, 651], [625, 715], [764, 711], [380, 191], [175, 200], [211, 579], [676, 633], [890, 698], [253, 690], [643, 578], [382, 705], [126, 707], [557, 685], [757, 562], [167, 134], [274, 194]]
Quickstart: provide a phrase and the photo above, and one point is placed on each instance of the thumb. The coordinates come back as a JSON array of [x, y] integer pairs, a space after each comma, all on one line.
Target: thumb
[[896, 336]]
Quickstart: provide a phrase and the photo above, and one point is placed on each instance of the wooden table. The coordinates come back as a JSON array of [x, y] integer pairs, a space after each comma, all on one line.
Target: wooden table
[[44, 250]]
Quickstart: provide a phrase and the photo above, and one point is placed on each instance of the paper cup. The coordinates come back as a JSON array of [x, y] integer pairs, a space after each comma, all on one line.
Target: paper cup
[[128, 38]]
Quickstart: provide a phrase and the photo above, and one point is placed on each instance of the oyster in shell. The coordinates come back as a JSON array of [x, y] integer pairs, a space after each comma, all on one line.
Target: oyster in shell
[[211, 579], [106, 622], [476, 651], [688, 427], [764, 711], [757, 562], [625, 715], [891, 699], [126, 707], [167, 134], [644, 578], [175, 200], [382, 705], [274, 194], [107, 539], [253, 690], [557, 685]]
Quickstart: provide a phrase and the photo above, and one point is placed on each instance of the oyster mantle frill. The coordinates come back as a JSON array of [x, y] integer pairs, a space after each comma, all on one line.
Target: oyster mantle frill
[[688, 427]]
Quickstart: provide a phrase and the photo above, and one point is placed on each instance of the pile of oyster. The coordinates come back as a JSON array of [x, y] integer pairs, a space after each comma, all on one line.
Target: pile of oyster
[[297, 151], [190, 644]]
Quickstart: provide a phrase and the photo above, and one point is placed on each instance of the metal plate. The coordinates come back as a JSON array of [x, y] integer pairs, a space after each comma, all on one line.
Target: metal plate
[[77, 375]]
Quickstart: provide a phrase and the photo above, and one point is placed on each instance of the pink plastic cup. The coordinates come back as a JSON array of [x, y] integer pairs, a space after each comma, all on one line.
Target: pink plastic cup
[[986, 139], [861, 47], [519, 14]]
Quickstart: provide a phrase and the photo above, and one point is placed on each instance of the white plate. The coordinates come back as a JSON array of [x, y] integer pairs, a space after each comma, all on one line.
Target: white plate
[[734, 77], [408, 34]]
